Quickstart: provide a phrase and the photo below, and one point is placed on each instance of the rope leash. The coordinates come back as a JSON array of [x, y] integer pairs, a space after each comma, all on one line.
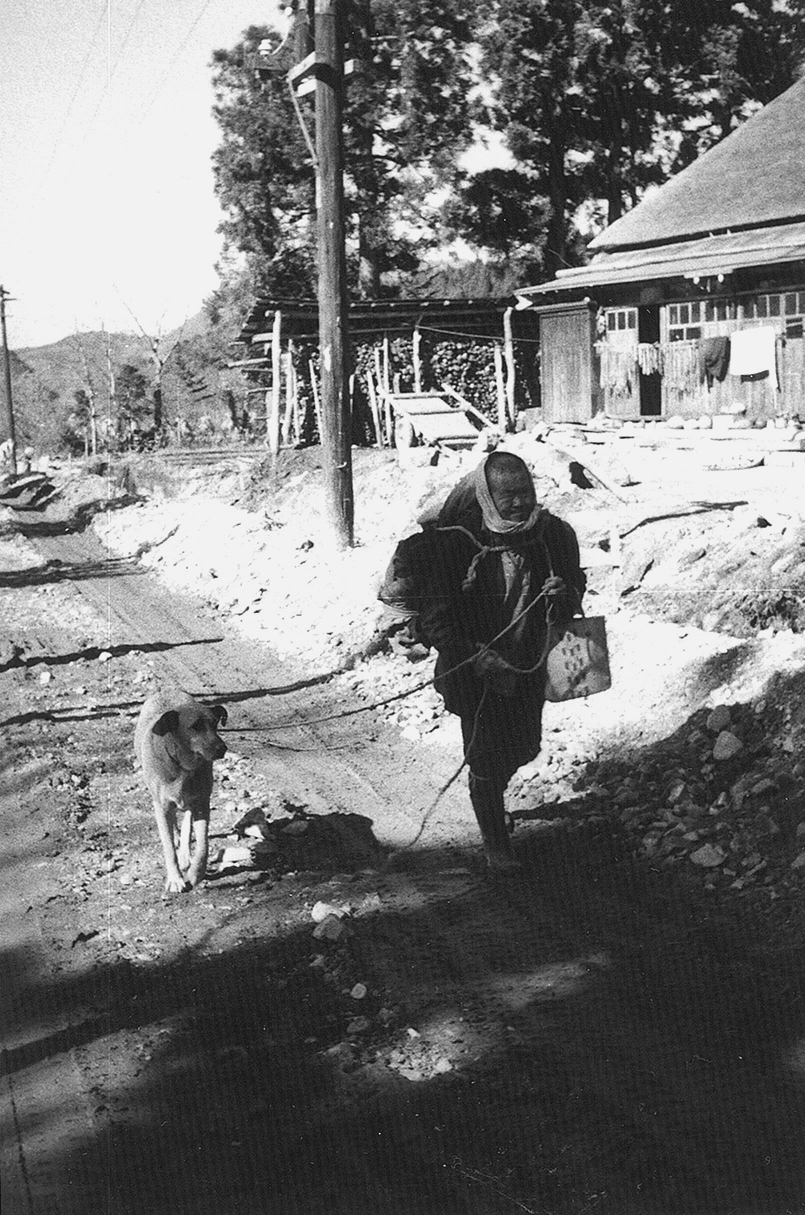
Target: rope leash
[[380, 704]]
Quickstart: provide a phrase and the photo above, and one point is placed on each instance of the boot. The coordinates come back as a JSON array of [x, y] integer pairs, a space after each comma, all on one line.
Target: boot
[[487, 803]]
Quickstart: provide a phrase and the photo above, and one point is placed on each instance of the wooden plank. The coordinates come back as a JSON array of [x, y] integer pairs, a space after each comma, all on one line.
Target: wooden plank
[[511, 368], [273, 423], [375, 409]]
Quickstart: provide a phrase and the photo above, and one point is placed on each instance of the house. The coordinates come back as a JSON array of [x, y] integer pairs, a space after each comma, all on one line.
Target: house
[[692, 303]]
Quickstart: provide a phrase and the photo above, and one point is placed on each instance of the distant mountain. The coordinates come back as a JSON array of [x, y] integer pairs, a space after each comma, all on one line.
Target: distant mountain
[[45, 379]]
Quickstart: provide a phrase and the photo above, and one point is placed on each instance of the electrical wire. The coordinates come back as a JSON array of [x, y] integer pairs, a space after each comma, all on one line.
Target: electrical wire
[[173, 61], [79, 82], [111, 71]]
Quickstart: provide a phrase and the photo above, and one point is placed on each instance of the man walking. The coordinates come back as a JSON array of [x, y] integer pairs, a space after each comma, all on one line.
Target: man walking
[[504, 569]]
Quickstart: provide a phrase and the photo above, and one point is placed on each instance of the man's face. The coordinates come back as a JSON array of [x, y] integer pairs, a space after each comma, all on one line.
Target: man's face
[[512, 492]]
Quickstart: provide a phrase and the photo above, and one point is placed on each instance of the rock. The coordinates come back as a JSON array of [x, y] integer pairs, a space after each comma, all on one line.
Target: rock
[[719, 719], [320, 911], [677, 792], [708, 856], [252, 823], [45, 677], [236, 856], [798, 861], [358, 1025], [298, 827], [358, 992], [726, 746], [330, 929], [411, 733], [442, 1066]]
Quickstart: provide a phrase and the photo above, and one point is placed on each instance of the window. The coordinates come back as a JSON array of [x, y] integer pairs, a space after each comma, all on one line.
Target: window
[[684, 321], [787, 308], [621, 318], [621, 327], [698, 319]]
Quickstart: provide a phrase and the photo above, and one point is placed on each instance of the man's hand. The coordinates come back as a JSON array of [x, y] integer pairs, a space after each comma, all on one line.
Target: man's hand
[[553, 586], [496, 672]]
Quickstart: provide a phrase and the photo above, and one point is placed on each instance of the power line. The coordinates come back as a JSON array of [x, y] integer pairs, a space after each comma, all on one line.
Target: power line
[[172, 63], [111, 71], [69, 110]]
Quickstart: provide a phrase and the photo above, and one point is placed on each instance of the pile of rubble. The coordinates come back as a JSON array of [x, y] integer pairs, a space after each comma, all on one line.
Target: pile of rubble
[[721, 800]]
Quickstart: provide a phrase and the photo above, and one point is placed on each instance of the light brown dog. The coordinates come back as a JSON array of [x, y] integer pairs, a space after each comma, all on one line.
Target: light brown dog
[[176, 741]]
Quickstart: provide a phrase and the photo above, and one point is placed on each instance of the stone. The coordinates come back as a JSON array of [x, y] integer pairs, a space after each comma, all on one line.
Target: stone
[[330, 929], [358, 992], [320, 911], [298, 827], [236, 856], [708, 856], [718, 719], [358, 1025], [798, 861], [726, 746]]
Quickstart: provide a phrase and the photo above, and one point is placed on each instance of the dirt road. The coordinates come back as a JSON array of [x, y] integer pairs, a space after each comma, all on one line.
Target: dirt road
[[586, 1037]]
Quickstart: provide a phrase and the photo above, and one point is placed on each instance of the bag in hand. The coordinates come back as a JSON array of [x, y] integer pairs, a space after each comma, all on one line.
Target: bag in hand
[[578, 662]]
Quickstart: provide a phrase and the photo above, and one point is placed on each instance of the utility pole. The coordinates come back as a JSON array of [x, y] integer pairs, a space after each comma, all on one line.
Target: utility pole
[[333, 302], [320, 70], [9, 402]]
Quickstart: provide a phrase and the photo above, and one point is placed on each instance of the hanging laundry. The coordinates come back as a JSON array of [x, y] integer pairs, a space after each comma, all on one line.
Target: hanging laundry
[[649, 358], [753, 352], [714, 358], [680, 361], [618, 370]]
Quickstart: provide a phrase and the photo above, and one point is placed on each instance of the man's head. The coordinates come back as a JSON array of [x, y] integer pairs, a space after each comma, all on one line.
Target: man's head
[[511, 486]]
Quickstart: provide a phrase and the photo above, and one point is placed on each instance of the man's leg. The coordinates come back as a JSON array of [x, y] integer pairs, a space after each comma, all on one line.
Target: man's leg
[[488, 777], [487, 802], [503, 733]]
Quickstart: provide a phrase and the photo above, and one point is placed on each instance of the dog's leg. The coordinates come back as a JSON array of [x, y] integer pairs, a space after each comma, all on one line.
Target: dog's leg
[[166, 821], [184, 841], [198, 865]]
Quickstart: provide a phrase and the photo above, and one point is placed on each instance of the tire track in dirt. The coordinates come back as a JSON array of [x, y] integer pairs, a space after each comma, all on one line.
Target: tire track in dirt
[[351, 764]]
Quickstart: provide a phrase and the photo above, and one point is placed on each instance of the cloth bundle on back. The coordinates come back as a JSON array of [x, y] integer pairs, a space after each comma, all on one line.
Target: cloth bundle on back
[[503, 569]]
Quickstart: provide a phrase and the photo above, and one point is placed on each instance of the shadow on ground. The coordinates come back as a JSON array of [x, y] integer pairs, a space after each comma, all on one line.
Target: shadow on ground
[[622, 1056]]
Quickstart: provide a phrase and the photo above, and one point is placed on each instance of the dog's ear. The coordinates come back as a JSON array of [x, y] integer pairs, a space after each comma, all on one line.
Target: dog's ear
[[220, 714], [167, 724]]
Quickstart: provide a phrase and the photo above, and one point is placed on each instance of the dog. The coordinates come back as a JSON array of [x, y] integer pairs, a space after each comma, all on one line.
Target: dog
[[176, 741]]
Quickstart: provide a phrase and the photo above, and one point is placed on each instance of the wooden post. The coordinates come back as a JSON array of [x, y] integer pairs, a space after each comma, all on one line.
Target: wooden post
[[12, 438], [501, 391], [370, 388], [333, 303], [316, 402], [273, 419], [381, 381], [511, 368], [417, 360], [288, 418], [386, 363]]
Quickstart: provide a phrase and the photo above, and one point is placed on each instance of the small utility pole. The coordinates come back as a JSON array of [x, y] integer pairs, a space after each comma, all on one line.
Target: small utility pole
[[9, 401], [333, 302]]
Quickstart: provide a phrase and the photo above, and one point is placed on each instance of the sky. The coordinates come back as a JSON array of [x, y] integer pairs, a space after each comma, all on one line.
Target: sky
[[107, 209]]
